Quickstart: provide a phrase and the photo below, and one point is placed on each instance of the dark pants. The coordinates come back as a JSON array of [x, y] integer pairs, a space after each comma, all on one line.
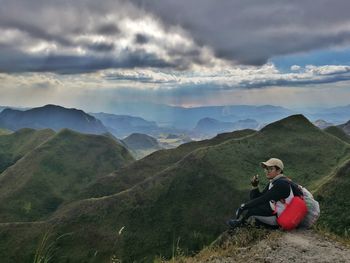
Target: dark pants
[[263, 215]]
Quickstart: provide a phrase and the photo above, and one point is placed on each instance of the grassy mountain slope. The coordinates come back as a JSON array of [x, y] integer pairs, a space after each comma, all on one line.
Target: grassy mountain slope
[[21, 248], [189, 199], [15, 145], [338, 132], [125, 178], [141, 145], [55, 172], [345, 127], [335, 203], [141, 141]]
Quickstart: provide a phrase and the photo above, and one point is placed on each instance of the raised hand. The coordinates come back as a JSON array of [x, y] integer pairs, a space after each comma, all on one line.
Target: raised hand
[[255, 180]]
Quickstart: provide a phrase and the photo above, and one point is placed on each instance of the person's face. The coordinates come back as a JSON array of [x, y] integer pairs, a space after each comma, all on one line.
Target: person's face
[[271, 172]]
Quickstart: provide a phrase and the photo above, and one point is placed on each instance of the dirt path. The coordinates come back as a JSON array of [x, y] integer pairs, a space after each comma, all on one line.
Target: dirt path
[[301, 246]]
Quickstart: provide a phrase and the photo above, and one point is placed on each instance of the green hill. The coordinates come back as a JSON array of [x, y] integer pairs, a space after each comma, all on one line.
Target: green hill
[[335, 203], [338, 132], [183, 202], [55, 172], [141, 145], [15, 145], [127, 177]]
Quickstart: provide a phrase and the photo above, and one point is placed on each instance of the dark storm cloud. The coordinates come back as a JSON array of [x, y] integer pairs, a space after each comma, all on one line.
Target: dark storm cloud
[[282, 82], [208, 90], [141, 39], [245, 32], [35, 32], [101, 47], [251, 32], [140, 78], [76, 36], [15, 61], [108, 29]]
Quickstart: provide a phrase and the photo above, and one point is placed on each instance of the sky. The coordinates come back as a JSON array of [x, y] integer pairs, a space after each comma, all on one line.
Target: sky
[[95, 54]]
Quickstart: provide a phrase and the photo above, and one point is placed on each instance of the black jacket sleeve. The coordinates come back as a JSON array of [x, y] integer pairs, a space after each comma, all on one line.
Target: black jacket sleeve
[[279, 190], [255, 193]]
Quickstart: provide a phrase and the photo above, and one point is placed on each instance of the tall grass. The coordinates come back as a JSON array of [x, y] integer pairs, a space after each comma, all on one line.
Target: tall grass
[[46, 249]]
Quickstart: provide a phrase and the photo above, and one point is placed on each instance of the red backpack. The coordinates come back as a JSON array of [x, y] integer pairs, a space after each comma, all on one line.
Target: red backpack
[[293, 214], [295, 211]]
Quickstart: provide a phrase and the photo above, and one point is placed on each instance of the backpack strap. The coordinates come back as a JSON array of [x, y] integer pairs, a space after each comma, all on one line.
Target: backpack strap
[[297, 191]]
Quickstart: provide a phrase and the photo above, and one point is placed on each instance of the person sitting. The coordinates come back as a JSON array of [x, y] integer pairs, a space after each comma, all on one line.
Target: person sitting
[[264, 207]]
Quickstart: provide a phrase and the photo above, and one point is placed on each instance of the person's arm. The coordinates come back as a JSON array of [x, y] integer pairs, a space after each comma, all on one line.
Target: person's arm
[[255, 192], [280, 190]]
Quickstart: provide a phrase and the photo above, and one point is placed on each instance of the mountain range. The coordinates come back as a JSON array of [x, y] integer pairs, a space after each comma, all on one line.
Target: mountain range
[[187, 118], [208, 127], [336, 115], [179, 196], [52, 117], [156, 120]]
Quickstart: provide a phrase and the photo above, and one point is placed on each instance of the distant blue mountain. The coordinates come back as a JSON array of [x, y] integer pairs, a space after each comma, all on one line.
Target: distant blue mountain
[[209, 127], [187, 118], [335, 115], [124, 125], [53, 117], [14, 108]]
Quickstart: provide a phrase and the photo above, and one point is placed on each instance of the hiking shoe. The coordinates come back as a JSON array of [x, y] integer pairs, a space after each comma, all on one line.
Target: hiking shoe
[[233, 223]]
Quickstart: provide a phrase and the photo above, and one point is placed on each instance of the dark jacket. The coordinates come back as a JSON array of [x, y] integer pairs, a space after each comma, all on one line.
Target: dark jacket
[[279, 190]]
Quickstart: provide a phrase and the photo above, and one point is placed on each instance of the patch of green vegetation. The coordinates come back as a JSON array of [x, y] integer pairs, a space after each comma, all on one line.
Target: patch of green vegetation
[[139, 154], [338, 132], [14, 146], [55, 172], [228, 244], [152, 164], [335, 203]]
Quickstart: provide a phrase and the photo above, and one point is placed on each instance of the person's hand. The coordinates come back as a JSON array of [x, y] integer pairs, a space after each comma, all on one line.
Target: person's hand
[[240, 210], [255, 180]]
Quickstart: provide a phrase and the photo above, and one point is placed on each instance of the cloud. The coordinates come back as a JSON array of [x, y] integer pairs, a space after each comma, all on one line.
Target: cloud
[[182, 33], [74, 64], [212, 83], [235, 85], [141, 39], [86, 37], [251, 32], [295, 68], [142, 76], [328, 70]]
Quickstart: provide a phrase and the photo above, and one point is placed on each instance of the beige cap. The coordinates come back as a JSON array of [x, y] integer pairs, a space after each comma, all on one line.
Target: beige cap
[[273, 162]]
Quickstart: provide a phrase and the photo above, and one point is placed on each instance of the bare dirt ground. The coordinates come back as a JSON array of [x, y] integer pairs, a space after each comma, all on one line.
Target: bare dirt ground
[[300, 246]]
